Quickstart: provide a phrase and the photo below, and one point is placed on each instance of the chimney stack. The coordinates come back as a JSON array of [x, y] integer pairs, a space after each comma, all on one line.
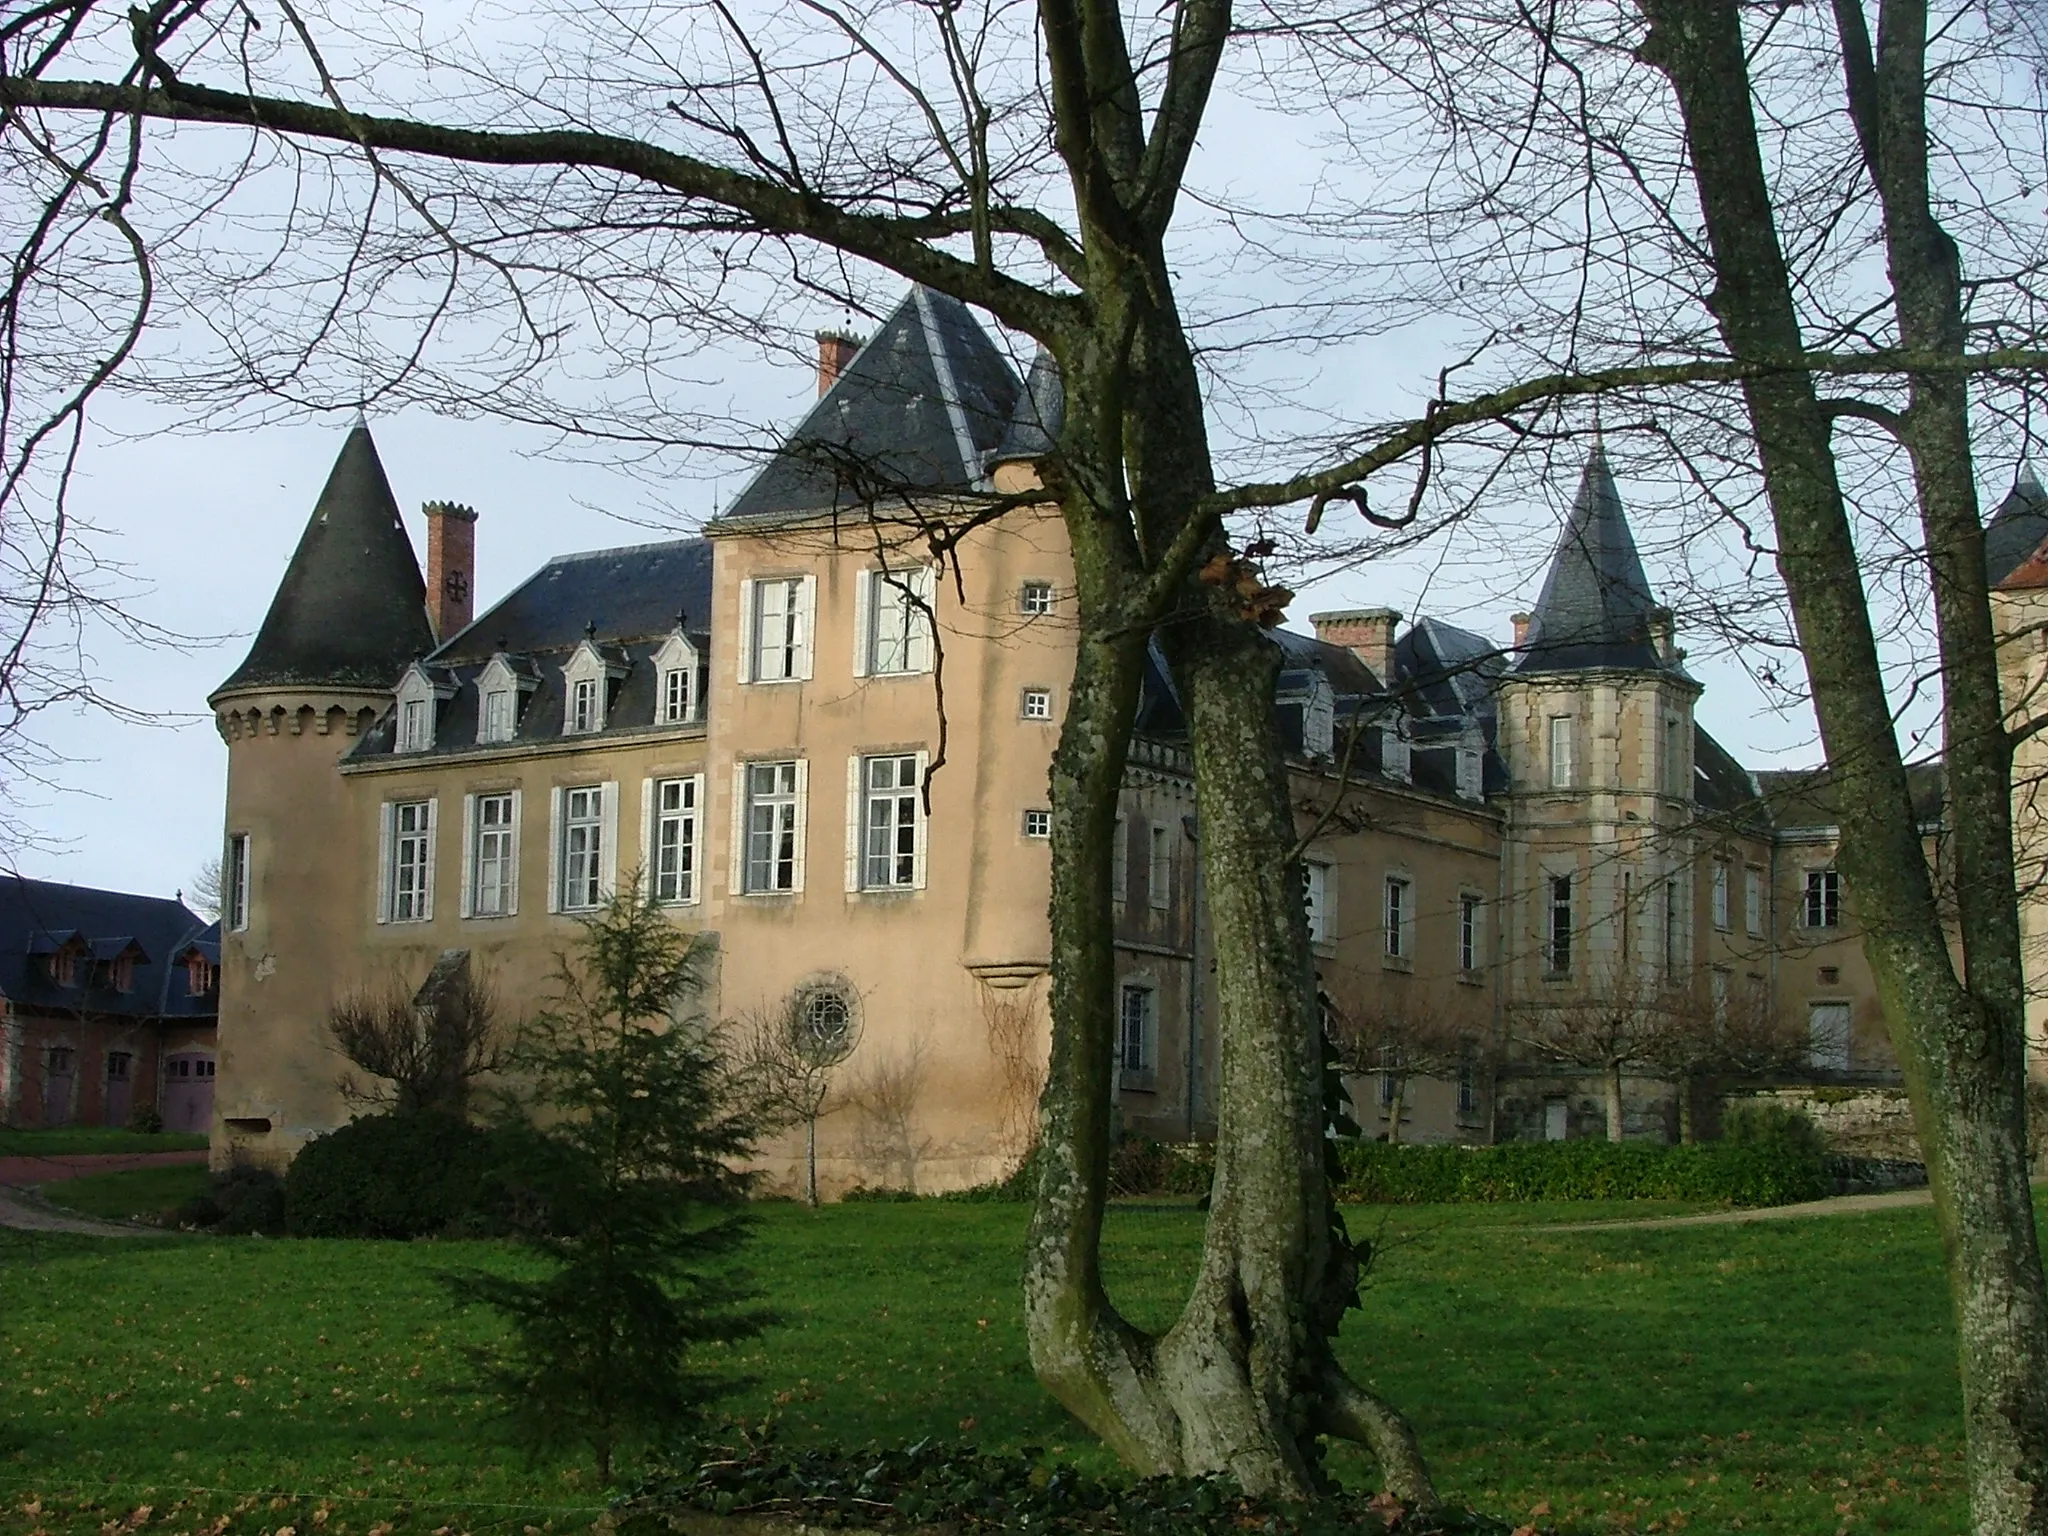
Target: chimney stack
[[835, 351], [451, 566], [1521, 623], [1368, 633]]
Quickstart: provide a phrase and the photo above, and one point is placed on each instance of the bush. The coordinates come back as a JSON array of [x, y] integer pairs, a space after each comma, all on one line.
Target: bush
[[147, 1121], [1138, 1165], [1773, 1128], [241, 1199], [1377, 1173], [398, 1176]]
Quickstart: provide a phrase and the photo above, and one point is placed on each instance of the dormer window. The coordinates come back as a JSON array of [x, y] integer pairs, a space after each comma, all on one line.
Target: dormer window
[[676, 685], [419, 698], [1471, 784], [497, 718], [1394, 760], [587, 681], [121, 973], [1319, 719], [198, 975], [64, 968], [501, 688]]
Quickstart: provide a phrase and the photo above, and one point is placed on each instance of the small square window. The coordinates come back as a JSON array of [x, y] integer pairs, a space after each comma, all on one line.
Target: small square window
[[1037, 703], [1035, 598], [1038, 824]]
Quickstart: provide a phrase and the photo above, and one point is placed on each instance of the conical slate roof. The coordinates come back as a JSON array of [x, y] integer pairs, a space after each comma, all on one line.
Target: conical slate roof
[[351, 610], [1595, 608], [917, 410], [1041, 410], [2017, 529]]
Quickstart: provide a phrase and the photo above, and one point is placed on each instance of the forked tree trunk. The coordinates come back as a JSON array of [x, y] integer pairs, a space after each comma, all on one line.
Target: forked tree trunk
[[1959, 1038]]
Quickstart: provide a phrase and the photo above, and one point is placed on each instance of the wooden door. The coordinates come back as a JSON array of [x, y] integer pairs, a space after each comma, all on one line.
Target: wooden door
[[187, 1103], [59, 1068], [117, 1104]]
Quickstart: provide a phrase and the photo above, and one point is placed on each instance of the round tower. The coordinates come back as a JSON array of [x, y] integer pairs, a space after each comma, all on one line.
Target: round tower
[[348, 617]]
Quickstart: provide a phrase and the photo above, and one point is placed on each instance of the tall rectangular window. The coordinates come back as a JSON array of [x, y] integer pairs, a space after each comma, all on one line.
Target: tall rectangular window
[[1753, 902], [1721, 894], [415, 719], [497, 714], [583, 706], [582, 852], [1120, 863], [1134, 1042], [889, 821], [899, 637], [1468, 933], [1674, 761], [1159, 866], [1400, 915], [1319, 878], [1562, 769], [675, 695], [234, 886], [1674, 929], [1468, 1087], [491, 860], [1823, 898], [780, 640], [1718, 991], [675, 840], [771, 828], [1828, 1027], [1558, 946], [411, 869]]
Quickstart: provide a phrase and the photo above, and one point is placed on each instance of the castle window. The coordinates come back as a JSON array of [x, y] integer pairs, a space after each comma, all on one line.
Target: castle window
[[1674, 763], [235, 883], [1135, 1031], [415, 725], [493, 861], [63, 968], [896, 638], [1471, 784], [1036, 704], [1120, 863], [198, 975], [773, 828], [678, 695], [408, 895], [497, 716], [585, 713], [121, 973], [1753, 902], [1400, 917], [1159, 866], [1319, 882], [674, 855], [777, 615], [1468, 1087], [1823, 898], [1563, 770], [892, 822], [1717, 982], [582, 849], [1034, 600], [1394, 758], [1038, 825], [1674, 930], [1721, 894], [1558, 949], [675, 695], [1468, 932]]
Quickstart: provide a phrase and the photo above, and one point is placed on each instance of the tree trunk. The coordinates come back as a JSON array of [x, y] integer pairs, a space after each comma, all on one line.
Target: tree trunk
[[811, 1161], [1959, 1040], [1614, 1101], [1686, 1136], [1394, 1108]]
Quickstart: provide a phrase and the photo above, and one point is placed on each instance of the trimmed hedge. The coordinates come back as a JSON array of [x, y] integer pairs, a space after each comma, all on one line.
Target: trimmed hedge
[[399, 1176], [1379, 1173]]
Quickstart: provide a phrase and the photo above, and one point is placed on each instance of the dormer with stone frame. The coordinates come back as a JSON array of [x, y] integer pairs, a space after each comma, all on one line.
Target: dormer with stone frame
[[589, 677], [419, 697], [679, 680], [502, 690]]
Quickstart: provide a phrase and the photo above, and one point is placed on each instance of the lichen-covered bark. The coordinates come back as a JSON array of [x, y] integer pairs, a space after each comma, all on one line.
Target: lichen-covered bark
[[1958, 1037]]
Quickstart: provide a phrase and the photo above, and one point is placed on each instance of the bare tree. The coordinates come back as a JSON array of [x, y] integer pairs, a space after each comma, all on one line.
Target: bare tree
[[1725, 1033], [425, 1049], [1399, 1041], [204, 897], [786, 1060], [1608, 1026]]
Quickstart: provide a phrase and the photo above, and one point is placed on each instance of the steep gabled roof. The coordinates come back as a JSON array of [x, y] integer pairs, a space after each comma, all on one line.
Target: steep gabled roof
[[2017, 529], [156, 931], [917, 410], [1448, 671], [351, 610], [634, 593], [1040, 412], [1595, 609]]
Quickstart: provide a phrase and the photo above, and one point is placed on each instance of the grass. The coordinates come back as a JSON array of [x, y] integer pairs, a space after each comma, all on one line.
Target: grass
[[1784, 1377], [95, 1138], [137, 1194]]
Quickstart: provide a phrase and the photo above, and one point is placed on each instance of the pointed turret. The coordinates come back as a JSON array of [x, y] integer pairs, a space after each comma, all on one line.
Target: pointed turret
[[351, 610], [2016, 532], [1596, 609], [1041, 411]]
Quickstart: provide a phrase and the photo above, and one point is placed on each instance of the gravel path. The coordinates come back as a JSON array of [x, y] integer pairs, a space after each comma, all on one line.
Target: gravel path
[[1836, 1205]]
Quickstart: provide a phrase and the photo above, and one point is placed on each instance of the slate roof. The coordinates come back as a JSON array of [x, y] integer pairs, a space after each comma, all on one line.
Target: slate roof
[[1721, 785], [1803, 799], [1449, 671], [1040, 412], [1595, 608], [38, 917], [918, 409], [351, 610], [631, 596], [2017, 529]]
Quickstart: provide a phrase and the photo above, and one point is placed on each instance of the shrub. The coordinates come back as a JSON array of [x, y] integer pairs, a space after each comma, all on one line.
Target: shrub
[[397, 1176], [239, 1200], [147, 1121], [1138, 1165], [1377, 1173], [1780, 1128]]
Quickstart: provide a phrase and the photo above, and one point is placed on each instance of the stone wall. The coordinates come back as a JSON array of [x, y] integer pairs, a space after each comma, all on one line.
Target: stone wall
[[1858, 1122]]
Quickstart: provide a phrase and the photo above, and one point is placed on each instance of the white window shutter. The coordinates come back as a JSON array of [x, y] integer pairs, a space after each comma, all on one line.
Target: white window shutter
[[863, 624], [806, 616], [512, 856], [803, 819], [468, 907], [427, 864], [555, 849], [700, 836], [647, 839], [922, 836], [922, 613], [855, 828], [384, 815], [746, 647], [1329, 899], [608, 853], [736, 874]]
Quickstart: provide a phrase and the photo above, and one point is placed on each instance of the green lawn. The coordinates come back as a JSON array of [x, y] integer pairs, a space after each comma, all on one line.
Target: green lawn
[[94, 1138], [1789, 1377], [139, 1193]]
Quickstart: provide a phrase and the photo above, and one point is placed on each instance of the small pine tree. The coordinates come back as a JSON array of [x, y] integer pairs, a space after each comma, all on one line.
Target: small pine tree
[[628, 1144]]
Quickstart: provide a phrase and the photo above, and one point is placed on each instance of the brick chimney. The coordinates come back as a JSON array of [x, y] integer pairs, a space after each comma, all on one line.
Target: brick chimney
[[835, 351], [451, 566], [1368, 633], [1521, 623]]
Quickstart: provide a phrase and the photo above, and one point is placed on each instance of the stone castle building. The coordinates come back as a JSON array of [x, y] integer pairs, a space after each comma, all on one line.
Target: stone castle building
[[746, 722]]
